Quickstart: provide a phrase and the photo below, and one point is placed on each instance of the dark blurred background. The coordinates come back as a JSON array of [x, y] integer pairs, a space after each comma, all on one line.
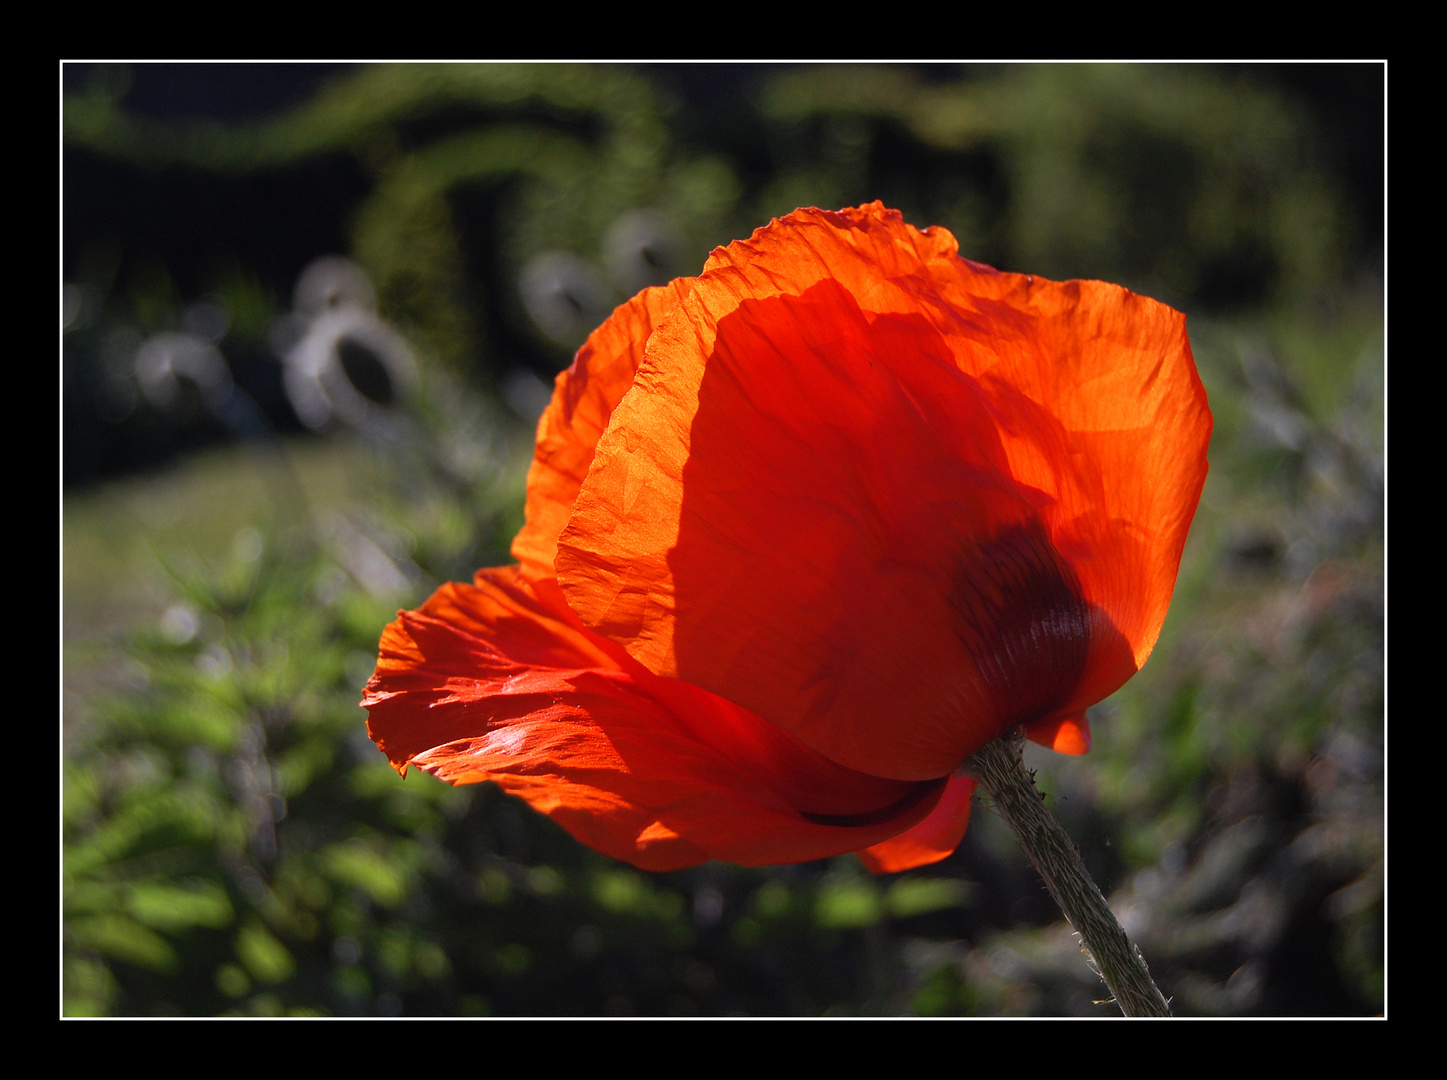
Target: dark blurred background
[[311, 313]]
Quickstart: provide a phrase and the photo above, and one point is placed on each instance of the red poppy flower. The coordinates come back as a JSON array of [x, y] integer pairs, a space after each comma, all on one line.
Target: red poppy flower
[[803, 533]]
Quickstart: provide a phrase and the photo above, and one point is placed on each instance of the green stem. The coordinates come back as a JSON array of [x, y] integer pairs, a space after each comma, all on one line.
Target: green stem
[[1001, 770]]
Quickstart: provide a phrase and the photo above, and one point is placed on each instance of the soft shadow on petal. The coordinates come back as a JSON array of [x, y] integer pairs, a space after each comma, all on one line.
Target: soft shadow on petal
[[485, 682], [851, 557], [856, 446], [933, 839], [807, 780]]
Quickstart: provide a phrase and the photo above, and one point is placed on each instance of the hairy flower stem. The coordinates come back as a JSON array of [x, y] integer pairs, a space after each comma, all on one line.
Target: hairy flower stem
[[1000, 768]]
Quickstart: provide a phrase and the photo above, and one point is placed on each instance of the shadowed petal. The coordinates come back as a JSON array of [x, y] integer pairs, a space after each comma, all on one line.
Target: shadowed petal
[[893, 501], [488, 682], [933, 839]]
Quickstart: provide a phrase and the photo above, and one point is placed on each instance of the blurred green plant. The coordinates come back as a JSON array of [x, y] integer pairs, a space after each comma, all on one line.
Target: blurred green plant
[[234, 844], [1193, 184]]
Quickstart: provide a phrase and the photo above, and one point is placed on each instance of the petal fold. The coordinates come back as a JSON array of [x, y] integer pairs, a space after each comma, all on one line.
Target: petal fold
[[933, 839], [489, 682], [895, 502], [584, 397]]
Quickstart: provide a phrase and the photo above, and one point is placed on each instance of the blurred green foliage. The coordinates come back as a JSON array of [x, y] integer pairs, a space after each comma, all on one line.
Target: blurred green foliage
[[234, 844]]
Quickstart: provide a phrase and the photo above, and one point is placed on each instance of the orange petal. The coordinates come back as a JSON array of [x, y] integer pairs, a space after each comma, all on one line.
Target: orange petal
[[584, 396], [1063, 734], [893, 501], [933, 839], [489, 682]]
